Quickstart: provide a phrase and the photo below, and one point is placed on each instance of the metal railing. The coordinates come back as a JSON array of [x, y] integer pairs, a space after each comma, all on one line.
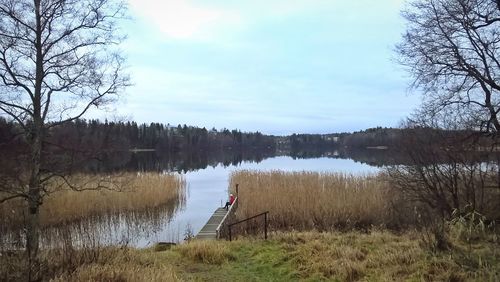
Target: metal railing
[[264, 214], [223, 232], [230, 214]]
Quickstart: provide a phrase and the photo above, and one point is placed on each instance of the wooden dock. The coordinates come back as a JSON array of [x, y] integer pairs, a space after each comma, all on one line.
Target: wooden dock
[[209, 231]]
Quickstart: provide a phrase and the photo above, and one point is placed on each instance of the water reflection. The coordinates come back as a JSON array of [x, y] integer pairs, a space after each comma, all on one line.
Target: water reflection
[[192, 161], [119, 228], [175, 162], [207, 176]]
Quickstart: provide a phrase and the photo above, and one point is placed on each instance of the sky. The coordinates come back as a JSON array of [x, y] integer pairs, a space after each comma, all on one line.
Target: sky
[[274, 66]]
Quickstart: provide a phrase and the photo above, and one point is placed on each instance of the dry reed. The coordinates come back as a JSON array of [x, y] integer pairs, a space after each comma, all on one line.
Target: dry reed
[[115, 264], [313, 200], [209, 252], [109, 194], [130, 192]]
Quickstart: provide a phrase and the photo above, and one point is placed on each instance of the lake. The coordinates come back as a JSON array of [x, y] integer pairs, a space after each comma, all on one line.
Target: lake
[[207, 181], [207, 189], [207, 176]]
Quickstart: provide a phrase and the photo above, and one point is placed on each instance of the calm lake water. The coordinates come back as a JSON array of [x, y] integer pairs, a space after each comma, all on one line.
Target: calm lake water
[[207, 189]]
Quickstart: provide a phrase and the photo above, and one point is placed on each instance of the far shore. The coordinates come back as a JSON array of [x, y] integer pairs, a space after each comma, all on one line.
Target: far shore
[[135, 150], [377, 147]]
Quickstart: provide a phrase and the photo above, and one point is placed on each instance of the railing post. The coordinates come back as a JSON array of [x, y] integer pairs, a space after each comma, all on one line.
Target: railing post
[[265, 226], [246, 221]]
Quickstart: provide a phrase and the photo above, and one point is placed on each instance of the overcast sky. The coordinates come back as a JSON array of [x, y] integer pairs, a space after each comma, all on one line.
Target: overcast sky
[[277, 66]]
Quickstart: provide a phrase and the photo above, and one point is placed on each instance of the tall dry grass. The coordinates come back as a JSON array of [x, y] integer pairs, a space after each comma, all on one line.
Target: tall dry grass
[[384, 256], [102, 194], [209, 252], [121, 265], [104, 264], [129, 192], [313, 200]]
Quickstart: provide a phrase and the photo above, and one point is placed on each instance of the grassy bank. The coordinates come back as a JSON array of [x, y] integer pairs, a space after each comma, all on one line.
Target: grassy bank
[[312, 200], [303, 256]]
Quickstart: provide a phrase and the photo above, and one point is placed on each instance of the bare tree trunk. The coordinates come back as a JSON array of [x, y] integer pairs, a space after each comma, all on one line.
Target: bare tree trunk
[[34, 200], [34, 197], [32, 240]]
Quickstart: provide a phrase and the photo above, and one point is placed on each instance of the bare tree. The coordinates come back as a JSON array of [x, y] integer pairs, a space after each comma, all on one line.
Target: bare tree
[[57, 61], [452, 50], [447, 173]]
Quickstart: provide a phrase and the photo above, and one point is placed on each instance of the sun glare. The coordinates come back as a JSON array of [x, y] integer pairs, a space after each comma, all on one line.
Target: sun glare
[[180, 19]]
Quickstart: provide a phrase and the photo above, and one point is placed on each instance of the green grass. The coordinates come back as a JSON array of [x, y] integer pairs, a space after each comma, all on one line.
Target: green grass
[[352, 256], [261, 261], [297, 256], [248, 261]]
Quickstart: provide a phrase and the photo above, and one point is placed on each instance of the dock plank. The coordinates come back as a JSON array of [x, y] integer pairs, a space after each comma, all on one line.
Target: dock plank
[[208, 231]]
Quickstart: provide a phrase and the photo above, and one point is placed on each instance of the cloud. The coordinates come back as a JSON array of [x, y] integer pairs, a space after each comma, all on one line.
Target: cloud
[[183, 19], [278, 66]]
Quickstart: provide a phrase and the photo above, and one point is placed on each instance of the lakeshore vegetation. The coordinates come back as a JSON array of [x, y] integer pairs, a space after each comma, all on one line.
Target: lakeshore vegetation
[[85, 200], [292, 256], [314, 200], [99, 195], [129, 192], [324, 227]]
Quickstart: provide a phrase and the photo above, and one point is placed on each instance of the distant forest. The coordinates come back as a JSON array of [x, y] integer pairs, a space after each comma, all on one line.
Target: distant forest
[[104, 146], [125, 136], [130, 135]]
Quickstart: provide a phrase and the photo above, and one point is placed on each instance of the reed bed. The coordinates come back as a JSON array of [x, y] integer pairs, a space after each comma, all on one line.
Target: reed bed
[[101, 195], [314, 200], [128, 192]]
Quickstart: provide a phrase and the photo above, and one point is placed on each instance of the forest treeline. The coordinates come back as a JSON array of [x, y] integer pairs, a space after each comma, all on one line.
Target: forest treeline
[[88, 135], [105, 146], [384, 138], [131, 135]]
